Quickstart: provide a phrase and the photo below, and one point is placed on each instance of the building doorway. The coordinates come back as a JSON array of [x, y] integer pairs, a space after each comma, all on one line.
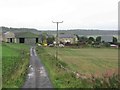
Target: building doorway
[[36, 40], [21, 40], [11, 40]]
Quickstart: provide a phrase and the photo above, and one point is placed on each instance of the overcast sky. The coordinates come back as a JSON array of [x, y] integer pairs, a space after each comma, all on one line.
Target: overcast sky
[[76, 14]]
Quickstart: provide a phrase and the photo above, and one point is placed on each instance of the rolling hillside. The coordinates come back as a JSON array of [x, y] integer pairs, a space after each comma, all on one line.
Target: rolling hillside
[[5, 29], [53, 32], [85, 32]]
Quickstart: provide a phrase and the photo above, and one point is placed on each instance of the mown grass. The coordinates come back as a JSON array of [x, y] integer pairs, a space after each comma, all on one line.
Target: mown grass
[[66, 79], [15, 60]]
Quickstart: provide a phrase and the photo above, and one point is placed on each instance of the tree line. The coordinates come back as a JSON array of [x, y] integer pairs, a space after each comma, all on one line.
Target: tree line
[[82, 40], [91, 41]]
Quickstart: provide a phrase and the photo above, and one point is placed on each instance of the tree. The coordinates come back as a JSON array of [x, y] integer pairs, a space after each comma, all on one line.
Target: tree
[[114, 40], [77, 37], [83, 39], [44, 39], [90, 40], [98, 39], [50, 40]]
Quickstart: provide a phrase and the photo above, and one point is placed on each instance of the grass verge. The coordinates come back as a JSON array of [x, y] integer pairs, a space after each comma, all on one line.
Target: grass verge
[[15, 60]]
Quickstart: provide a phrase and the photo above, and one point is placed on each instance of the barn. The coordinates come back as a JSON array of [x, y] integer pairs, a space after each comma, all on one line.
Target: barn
[[8, 37], [26, 37], [21, 37]]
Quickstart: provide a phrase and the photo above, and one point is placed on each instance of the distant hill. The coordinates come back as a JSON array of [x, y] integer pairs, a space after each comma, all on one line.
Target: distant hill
[[83, 32], [5, 29]]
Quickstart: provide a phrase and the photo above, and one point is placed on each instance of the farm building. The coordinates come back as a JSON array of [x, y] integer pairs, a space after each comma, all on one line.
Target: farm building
[[8, 37], [26, 37], [21, 37], [64, 38]]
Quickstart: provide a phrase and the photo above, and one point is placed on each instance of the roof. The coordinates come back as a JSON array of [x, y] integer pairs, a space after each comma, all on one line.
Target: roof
[[25, 35], [8, 34], [50, 35], [66, 36]]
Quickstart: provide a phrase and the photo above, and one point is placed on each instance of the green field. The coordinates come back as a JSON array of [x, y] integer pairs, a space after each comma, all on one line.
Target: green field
[[87, 61], [15, 59]]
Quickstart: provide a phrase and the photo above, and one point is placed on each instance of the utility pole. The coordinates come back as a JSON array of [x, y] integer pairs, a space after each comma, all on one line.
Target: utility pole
[[57, 45]]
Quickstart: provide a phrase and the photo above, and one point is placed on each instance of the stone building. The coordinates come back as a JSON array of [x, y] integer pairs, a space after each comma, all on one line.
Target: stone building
[[21, 37], [8, 37], [26, 37], [67, 38]]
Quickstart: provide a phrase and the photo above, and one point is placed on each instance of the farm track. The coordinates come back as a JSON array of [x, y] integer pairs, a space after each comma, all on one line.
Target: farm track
[[37, 76]]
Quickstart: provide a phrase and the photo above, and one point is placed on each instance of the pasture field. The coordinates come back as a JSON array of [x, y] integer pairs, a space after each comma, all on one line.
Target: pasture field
[[15, 59], [86, 61]]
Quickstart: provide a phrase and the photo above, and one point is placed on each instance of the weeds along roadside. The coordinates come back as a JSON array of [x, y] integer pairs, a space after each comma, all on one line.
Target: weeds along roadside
[[14, 68], [62, 78]]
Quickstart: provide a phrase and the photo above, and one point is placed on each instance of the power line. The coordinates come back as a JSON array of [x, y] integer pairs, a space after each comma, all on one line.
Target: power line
[[57, 45]]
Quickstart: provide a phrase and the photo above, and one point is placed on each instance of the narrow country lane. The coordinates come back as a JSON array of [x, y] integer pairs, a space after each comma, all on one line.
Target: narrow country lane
[[37, 76]]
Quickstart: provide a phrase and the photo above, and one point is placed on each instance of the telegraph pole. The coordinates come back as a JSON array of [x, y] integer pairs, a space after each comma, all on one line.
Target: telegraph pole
[[57, 45]]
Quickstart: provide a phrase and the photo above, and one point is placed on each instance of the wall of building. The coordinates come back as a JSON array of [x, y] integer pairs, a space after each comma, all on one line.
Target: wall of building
[[6, 36], [65, 40], [30, 40], [27, 40]]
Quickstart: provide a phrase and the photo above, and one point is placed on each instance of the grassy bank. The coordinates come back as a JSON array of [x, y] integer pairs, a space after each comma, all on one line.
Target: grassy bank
[[15, 59], [79, 60]]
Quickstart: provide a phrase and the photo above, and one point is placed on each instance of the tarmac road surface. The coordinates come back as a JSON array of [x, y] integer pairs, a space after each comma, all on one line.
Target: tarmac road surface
[[37, 76]]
